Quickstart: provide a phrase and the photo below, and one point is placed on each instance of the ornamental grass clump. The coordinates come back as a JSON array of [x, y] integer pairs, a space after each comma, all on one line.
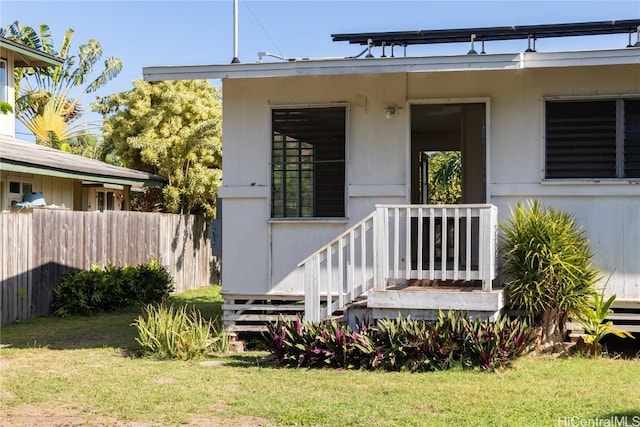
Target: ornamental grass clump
[[165, 332], [548, 264]]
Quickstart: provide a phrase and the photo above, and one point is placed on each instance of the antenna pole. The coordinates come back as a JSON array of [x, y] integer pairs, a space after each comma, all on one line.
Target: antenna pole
[[235, 59]]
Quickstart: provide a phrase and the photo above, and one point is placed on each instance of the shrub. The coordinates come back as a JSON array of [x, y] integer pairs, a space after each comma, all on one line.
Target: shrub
[[594, 324], [110, 288], [297, 343], [170, 333], [548, 266], [401, 344]]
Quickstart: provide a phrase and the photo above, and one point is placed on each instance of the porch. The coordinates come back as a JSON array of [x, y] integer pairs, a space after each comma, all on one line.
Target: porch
[[414, 259]]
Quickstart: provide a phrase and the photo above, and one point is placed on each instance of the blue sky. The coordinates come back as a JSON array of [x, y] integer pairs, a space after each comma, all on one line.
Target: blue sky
[[147, 33]]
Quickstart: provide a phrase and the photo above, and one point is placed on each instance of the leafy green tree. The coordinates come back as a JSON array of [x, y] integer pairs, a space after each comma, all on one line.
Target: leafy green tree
[[445, 177], [173, 129], [48, 98]]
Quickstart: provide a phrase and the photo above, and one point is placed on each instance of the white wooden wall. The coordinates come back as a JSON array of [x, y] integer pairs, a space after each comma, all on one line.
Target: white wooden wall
[[259, 255]]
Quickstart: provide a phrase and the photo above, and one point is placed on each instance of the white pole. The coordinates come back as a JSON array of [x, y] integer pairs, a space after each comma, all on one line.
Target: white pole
[[235, 59]]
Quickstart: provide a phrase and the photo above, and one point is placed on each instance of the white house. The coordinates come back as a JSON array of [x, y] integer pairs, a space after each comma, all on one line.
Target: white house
[[324, 169]]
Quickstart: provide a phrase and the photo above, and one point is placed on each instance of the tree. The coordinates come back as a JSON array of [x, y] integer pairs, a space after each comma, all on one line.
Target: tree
[[548, 263], [173, 129], [445, 177], [48, 98]]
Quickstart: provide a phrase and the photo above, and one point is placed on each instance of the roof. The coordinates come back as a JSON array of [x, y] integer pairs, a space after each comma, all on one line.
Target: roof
[[24, 157], [404, 38], [25, 56], [320, 67]]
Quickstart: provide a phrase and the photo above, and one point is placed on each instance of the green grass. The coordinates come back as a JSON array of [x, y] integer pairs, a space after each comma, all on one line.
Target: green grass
[[79, 367]]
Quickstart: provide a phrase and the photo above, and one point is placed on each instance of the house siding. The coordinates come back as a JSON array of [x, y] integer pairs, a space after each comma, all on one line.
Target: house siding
[[8, 121], [260, 256], [56, 191]]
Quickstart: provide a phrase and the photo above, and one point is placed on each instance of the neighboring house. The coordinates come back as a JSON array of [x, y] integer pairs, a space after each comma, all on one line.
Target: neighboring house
[[65, 180], [324, 166]]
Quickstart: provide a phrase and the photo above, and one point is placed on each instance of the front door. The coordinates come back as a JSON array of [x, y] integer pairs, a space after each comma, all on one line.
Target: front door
[[447, 167], [448, 153]]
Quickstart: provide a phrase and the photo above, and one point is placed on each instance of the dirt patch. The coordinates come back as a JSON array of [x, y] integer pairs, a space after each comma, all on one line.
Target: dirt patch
[[37, 416], [209, 421]]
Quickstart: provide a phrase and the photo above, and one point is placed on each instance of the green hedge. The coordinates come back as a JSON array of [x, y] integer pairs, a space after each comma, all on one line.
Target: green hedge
[[83, 293]]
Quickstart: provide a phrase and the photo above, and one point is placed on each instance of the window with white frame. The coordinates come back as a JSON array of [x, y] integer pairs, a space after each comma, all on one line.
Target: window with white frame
[[3, 81], [17, 189], [308, 162], [592, 139]]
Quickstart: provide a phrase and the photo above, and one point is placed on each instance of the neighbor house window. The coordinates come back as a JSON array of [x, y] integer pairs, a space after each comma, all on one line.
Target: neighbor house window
[[308, 162], [17, 190], [593, 139], [3, 80]]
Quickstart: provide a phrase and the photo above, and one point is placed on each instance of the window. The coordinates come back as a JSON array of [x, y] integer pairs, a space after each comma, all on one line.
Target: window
[[106, 200], [20, 188], [593, 139], [17, 190], [308, 162], [3, 80]]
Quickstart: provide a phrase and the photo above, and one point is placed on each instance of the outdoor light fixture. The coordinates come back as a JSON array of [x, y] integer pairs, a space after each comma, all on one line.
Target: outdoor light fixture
[[391, 110]]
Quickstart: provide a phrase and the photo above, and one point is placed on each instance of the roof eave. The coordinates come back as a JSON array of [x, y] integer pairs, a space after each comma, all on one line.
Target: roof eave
[[318, 67], [11, 166], [29, 57]]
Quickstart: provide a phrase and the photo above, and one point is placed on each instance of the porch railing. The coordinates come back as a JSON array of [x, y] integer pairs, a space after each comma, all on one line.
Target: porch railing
[[437, 242], [397, 243], [340, 271]]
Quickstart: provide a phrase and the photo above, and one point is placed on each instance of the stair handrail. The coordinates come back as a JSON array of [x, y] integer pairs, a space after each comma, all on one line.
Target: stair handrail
[[340, 236], [311, 271]]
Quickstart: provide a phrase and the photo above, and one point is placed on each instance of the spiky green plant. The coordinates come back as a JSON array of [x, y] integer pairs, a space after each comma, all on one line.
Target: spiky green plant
[[166, 332], [593, 322], [548, 264]]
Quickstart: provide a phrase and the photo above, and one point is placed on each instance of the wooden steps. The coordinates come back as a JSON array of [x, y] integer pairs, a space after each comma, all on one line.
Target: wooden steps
[[250, 313]]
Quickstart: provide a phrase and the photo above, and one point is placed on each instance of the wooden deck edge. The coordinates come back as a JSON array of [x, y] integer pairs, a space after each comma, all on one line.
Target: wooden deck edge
[[436, 300]]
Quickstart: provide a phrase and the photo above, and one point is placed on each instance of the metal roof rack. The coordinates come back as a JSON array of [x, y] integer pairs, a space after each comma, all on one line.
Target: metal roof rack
[[405, 38]]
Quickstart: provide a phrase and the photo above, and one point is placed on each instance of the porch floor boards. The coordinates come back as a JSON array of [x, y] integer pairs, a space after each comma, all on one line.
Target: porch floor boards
[[426, 285]]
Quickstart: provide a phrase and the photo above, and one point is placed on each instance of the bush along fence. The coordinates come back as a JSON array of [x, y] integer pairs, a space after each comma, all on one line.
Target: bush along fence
[[37, 248], [401, 344], [83, 293]]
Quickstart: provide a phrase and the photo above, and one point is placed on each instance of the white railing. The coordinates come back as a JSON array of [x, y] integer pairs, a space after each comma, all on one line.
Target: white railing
[[340, 271], [437, 242], [397, 243]]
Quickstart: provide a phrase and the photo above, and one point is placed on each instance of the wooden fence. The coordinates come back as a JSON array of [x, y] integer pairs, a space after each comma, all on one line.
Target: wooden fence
[[37, 248]]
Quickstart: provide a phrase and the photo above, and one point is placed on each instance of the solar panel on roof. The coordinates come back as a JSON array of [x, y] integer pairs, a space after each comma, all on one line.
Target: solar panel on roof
[[405, 38]]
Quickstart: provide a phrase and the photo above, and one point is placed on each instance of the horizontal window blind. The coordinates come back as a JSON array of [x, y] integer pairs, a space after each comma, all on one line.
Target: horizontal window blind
[[581, 139]]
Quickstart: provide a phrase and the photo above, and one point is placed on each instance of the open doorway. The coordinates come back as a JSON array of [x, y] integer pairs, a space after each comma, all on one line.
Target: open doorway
[[448, 153], [447, 167]]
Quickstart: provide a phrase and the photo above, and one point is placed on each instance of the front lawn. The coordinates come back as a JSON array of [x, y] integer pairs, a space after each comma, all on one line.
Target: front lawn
[[78, 371]]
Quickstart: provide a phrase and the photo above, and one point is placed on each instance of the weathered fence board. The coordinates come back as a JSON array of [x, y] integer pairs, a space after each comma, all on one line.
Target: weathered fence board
[[37, 248]]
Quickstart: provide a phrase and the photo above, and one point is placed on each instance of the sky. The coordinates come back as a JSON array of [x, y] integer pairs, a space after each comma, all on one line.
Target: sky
[[152, 33]]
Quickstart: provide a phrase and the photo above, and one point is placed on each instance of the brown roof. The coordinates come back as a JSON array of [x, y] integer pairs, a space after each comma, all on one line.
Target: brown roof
[[20, 156], [26, 56]]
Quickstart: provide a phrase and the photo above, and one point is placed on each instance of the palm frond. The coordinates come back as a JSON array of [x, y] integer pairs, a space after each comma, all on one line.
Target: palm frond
[[46, 41], [112, 67]]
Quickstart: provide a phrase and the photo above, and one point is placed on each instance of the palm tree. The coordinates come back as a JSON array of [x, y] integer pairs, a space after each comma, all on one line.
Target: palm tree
[[46, 104]]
